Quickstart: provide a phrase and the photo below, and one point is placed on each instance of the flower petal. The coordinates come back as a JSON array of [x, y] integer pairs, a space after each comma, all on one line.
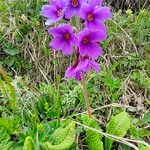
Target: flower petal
[[66, 27], [97, 35], [49, 12], [85, 8], [94, 3], [56, 43], [94, 50], [74, 40], [82, 66], [67, 48], [49, 22], [82, 49], [56, 31], [83, 33], [69, 12], [95, 65], [102, 13], [70, 72], [96, 24], [78, 76]]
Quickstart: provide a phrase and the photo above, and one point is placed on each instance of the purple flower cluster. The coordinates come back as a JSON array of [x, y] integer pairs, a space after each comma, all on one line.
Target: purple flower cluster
[[82, 39]]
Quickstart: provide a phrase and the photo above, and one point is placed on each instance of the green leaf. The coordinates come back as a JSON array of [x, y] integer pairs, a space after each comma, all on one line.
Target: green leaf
[[93, 138], [63, 138], [9, 61], [142, 147], [146, 118], [117, 126], [143, 133], [29, 144], [5, 143], [60, 134], [124, 147], [11, 51]]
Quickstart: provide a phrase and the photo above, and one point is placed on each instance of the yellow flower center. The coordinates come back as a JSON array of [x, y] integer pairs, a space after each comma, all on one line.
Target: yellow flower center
[[75, 3], [90, 17], [59, 12], [85, 40], [67, 36]]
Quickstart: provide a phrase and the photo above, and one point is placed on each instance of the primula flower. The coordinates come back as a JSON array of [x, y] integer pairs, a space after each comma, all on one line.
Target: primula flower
[[84, 66], [73, 73], [73, 8], [88, 42], [87, 64], [54, 12], [64, 38], [94, 14]]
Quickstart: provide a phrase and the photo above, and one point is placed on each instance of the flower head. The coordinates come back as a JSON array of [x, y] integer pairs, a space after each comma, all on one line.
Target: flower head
[[88, 42], [84, 66], [72, 72], [73, 8], [87, 64], [64, 38], [94, 14], [54, 12]]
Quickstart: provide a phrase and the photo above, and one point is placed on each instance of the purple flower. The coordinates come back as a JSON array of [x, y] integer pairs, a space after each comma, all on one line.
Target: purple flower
[[54, 12], [64, 38], [94, 14], [73, 73], [84, 66], [73, 8], [88, 42], [94, 3], [87, 64]]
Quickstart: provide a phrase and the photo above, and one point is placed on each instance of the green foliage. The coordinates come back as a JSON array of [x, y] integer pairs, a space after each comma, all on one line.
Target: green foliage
[[117, 126], [5, 143], [29, 144], [138, 133], [49, 103], [124, 147], [45, 130], [93, 138], [142, 147], [60, 134], [11, 50], [12, 97], [146, 118], [9, 123], [63, 138]]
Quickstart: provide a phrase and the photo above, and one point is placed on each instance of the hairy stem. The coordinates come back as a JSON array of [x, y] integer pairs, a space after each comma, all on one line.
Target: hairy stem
[[86, 97]]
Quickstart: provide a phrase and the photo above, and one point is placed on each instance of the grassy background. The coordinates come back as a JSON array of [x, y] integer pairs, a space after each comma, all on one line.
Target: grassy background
[[25, 55]]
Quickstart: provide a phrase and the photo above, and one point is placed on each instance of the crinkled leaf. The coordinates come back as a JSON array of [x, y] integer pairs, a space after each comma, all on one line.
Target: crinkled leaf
[[5, 143], [64, 138], [29, 144], [93, 138], [117, 126]]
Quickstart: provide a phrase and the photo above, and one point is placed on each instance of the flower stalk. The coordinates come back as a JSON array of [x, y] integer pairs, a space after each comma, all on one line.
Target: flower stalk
[[86, 97]]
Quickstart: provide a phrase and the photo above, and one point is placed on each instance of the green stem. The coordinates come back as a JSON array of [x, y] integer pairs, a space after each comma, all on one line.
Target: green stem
[[86, 97]]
